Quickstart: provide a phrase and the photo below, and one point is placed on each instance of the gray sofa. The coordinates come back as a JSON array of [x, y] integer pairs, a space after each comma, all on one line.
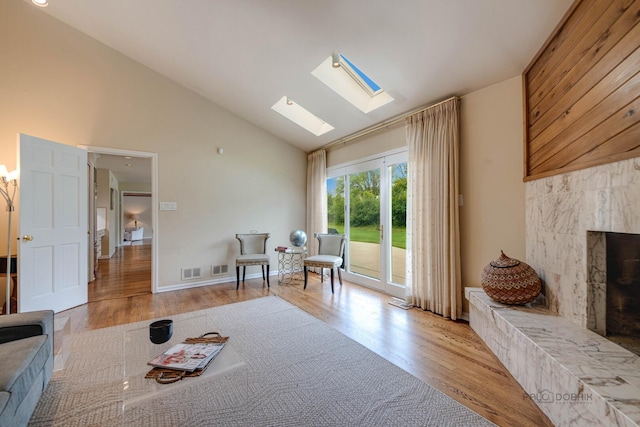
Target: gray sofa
[[26, 355]]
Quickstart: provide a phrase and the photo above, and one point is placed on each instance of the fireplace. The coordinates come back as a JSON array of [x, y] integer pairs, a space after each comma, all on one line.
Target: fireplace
[[568, 218], [623, 290], [613, 308]]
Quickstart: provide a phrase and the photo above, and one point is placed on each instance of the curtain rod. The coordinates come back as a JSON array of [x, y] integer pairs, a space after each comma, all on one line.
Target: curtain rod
[[383, 124]]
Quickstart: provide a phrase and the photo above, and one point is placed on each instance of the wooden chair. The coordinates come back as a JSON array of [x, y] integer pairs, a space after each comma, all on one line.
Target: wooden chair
[[330, 253], [253, 251]]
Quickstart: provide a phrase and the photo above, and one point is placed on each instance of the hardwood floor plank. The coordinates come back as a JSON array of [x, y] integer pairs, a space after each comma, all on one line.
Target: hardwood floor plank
[[445, 354]]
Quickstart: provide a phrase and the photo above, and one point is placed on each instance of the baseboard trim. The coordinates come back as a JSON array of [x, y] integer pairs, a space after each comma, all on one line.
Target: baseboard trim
[[211, 281]]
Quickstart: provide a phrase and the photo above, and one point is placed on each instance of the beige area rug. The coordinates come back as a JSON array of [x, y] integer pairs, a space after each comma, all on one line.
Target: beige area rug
[[298, 371]]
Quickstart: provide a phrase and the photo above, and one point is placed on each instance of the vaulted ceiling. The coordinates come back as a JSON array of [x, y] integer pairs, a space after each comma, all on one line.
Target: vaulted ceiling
[[245, 55]]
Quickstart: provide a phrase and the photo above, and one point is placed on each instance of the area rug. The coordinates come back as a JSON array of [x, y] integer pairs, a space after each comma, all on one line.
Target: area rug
[[298, 371]]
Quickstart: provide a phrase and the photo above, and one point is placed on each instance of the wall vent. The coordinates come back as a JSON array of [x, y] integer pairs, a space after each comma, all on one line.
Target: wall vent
[[191, 273], [219, 269]]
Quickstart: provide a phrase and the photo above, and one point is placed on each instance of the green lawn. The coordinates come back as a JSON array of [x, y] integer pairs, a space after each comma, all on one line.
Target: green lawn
[[370, 234]]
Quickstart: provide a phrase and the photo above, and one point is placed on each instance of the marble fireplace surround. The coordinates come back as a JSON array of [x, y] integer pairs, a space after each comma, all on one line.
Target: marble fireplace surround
[[562, 212], [549, 348]]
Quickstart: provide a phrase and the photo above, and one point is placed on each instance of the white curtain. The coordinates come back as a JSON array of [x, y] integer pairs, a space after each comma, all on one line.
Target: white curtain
[[316, 197], [433, 254]]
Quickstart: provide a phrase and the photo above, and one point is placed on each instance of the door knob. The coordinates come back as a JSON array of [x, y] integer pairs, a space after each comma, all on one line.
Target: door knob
[[27, 238]]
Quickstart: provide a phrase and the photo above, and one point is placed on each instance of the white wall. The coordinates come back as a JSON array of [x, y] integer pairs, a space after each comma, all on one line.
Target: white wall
[[140, 206], [59, 84], [106, 183], [491, 170], [375, 143], [142, 187]]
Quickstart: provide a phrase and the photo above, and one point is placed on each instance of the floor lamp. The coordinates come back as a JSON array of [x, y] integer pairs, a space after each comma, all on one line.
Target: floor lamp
[[7, 180]]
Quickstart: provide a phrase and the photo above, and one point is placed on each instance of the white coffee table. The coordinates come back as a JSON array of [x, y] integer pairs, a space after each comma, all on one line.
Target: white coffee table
[[138, 350]]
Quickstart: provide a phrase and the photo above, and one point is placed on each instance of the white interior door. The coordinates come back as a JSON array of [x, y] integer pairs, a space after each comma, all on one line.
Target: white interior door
[[52, 253]]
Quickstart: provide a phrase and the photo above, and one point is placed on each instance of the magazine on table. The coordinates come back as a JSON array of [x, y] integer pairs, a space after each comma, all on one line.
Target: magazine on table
[[187, 357]]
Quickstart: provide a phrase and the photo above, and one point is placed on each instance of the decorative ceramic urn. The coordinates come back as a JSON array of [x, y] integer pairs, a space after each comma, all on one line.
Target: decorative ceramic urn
[[509, 281]]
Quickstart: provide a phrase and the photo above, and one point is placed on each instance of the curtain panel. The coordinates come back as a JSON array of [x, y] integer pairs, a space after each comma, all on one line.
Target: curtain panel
[[433, 254], [316, 198]]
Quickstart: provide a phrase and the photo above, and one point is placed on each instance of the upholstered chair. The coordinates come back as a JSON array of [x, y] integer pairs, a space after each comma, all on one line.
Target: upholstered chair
[[253, 251], [330, 253]]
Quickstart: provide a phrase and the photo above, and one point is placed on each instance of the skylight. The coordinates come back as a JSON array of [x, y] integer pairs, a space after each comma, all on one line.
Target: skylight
[[352, 84], [362, 79], [300, 116]]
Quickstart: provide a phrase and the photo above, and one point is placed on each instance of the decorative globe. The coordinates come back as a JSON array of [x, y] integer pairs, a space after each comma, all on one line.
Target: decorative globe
[[298, 238]]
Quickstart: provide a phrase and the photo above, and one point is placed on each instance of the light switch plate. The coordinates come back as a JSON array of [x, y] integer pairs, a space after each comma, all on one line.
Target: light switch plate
[[168, 206]]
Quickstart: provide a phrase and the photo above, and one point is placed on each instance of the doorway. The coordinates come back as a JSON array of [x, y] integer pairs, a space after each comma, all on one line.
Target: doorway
[[132, 267], [367, 202], [135, 218]]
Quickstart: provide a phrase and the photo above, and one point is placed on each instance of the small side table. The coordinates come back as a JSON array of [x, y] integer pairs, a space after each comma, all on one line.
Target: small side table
[[13, 266], [291, 264]]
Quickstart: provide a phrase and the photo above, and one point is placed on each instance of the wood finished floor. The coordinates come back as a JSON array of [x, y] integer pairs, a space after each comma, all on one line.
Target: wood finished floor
[[445, 354]]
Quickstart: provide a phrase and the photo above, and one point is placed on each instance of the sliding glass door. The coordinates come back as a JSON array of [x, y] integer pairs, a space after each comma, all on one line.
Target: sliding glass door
[[367, 202]]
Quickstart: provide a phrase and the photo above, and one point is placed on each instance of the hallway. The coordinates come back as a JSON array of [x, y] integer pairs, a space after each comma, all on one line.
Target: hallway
[[125, 274]]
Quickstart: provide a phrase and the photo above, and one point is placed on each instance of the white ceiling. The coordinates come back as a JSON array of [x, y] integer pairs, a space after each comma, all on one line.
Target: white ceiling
[[132, 170], [246, 54]]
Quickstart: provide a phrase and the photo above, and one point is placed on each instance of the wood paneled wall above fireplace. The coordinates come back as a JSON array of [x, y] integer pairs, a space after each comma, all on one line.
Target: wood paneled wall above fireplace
[[582, 90]]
